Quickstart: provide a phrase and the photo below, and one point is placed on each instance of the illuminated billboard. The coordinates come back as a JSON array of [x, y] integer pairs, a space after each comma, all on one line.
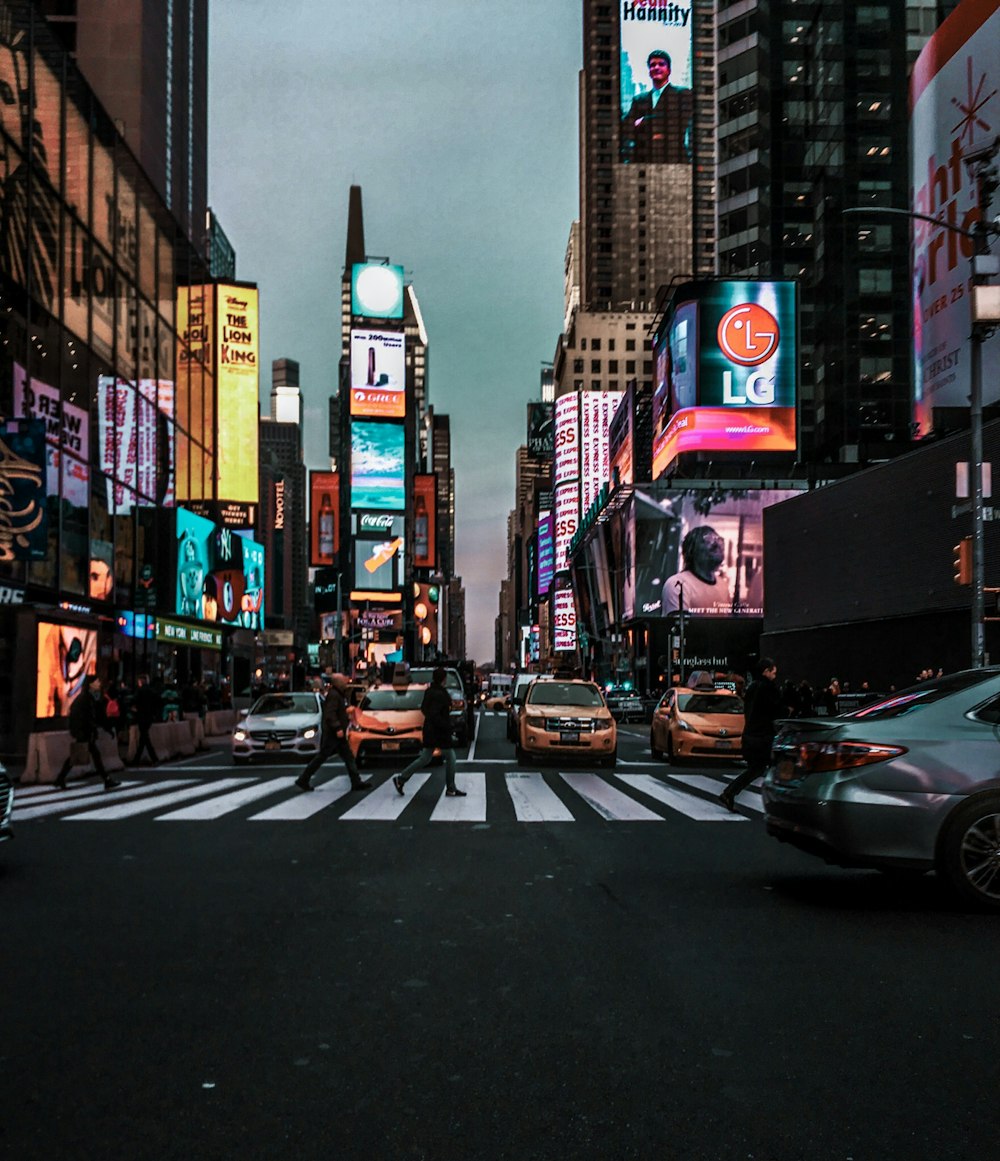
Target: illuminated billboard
[[237, 394], [324, 518], [621, 440], [546, 552], [376, 290], [540, 429], [727, 371], [424, 521], [67, 437], [567, 439], [563, 621], [378, 459], [220, 573], [378, 374], [66, 654], [955, 111], [597, 409], [379, 539], [134, 422], [702, 549], [195, 312], [566, 522], [24, 526], [657, 103]]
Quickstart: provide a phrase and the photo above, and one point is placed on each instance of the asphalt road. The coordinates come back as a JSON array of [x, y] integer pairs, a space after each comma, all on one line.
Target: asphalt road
[[219, 985]]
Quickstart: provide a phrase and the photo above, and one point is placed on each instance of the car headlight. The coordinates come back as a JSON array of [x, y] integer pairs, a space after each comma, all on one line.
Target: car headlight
[[603, 723], [240, 736], [535, 723], [310, 733], [683, 725]]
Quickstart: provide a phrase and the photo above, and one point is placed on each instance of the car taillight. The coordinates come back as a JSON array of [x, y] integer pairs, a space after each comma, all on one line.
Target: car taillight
[[818, 757]]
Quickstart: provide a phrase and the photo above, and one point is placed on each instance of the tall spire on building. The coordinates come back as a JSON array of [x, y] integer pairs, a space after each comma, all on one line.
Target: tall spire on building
[[355, 229]]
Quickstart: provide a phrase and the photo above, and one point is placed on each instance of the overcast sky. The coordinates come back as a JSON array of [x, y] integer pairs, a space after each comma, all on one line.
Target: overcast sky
[[459, 121]]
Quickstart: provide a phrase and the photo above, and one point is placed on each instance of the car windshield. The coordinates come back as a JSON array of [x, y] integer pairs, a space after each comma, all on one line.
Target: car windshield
[[395, 699], [285, 703], [563, 693], [910, 700], [709, 703], [452, 682]]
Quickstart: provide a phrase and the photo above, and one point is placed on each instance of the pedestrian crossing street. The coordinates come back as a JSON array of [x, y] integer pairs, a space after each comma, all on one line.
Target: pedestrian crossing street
[[527, 796]]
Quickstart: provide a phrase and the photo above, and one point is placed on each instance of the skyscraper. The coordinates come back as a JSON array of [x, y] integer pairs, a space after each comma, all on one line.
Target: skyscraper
[[147, 62]]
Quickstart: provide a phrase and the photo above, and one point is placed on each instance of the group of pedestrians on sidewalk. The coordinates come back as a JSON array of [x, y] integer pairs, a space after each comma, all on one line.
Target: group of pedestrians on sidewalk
[[436, 737]]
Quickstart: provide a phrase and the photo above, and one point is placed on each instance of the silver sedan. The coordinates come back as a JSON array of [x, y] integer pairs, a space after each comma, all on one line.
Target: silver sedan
[[279, 725], [908, 784]]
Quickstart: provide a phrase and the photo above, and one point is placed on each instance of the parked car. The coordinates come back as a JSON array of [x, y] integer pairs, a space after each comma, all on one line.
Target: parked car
[[692, 723], [388, 723], [6, 804], [908, 784], [461, 706], [279, 725], [566, 718], [516, 700]]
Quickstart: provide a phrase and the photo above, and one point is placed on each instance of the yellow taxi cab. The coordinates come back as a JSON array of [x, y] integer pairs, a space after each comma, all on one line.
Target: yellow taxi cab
[[566, 718], [697, 723], [388, 723]]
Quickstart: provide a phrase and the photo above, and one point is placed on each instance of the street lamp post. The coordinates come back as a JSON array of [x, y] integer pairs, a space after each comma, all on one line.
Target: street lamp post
[[979, 334]]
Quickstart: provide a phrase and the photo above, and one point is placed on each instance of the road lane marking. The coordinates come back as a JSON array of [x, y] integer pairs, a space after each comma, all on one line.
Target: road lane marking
[[696, 808], [385, 804], [148, 805], [534, 800], [225, 803], [306, 805], [72, 800], [609, 803], [745, 797], [472, 808]]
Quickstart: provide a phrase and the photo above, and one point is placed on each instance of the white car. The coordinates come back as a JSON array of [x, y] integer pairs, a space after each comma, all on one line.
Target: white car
[[279, 725]]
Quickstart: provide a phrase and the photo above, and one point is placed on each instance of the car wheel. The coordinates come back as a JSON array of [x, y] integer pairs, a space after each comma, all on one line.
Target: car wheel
[[612, 762], [657, 754], [671, 756], [969, 852], [519, 755]]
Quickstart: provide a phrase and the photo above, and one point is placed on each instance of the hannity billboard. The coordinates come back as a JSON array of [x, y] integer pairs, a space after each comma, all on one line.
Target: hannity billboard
[[657, 102], [726, 371]]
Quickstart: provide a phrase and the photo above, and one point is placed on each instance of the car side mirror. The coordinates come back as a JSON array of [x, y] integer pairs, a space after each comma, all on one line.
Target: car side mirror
[[244, 713]]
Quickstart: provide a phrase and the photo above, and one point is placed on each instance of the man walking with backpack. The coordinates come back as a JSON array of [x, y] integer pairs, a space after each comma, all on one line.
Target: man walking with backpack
[[85, 716], [437, 739], [334, 739]]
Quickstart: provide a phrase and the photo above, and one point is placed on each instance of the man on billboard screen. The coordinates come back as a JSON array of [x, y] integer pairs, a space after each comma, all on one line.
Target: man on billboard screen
[[657, 103], [657, 126]]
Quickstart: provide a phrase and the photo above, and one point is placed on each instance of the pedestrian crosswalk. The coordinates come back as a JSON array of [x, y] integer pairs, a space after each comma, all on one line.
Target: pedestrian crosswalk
[[514, 795]]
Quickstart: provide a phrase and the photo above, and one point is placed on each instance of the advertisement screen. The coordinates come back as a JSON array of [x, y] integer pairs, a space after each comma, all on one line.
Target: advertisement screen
[[546, 552], [566, 522], [541, 431], [134, 421], [657, 104], [564, 621], [324, 521], [195, 392], [377, 466], [597, 409], [24, 526], [621, 440], [379, 541], [220, 573], [378, 374], [237, 388], [735, 389], [66, 654], [567, 438], [956, 110], [424, 521], [703, 549], [67, 436], [376, 290]]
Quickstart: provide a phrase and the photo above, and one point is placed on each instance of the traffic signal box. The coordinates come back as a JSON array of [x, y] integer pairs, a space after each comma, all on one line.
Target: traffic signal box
[[425, 612], [963, 561]]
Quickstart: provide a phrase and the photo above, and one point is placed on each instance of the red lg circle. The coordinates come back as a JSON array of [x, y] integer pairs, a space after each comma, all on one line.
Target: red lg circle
[[748, 334]]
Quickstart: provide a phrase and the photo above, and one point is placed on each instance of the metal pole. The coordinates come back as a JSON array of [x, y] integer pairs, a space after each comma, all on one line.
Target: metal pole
[[338, 625], [976, 467]]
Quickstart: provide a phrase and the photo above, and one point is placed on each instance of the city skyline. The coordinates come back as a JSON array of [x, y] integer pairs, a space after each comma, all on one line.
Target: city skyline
[[480, 230]]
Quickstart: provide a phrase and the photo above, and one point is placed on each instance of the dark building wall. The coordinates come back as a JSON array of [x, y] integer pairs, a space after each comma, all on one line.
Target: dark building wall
[[861, 571]]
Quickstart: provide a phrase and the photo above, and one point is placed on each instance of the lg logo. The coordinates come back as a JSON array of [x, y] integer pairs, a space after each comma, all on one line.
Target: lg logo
[[748, 334]]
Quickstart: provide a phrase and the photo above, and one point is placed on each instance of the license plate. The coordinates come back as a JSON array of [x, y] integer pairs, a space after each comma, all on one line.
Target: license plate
[[272, 744], [723, 745], [390, 745], [569, 736]]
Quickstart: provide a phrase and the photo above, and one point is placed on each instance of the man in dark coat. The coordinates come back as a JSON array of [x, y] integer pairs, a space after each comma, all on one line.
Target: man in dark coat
[[657, 126], [762, 705], [334, 739], [85, 716], [437, 737]]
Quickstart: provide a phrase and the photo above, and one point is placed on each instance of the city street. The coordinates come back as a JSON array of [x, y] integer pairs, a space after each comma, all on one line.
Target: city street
[[635, 974]]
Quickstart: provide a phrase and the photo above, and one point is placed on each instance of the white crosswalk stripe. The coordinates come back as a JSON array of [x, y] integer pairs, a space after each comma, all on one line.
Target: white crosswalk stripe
[[552, 796]]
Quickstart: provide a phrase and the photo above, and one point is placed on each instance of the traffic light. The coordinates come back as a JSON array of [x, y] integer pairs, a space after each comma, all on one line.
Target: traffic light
[[963, 561], [425, 613]]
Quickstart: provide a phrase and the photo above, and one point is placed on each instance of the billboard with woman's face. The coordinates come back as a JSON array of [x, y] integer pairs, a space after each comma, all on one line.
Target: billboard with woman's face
[[66, 654]]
